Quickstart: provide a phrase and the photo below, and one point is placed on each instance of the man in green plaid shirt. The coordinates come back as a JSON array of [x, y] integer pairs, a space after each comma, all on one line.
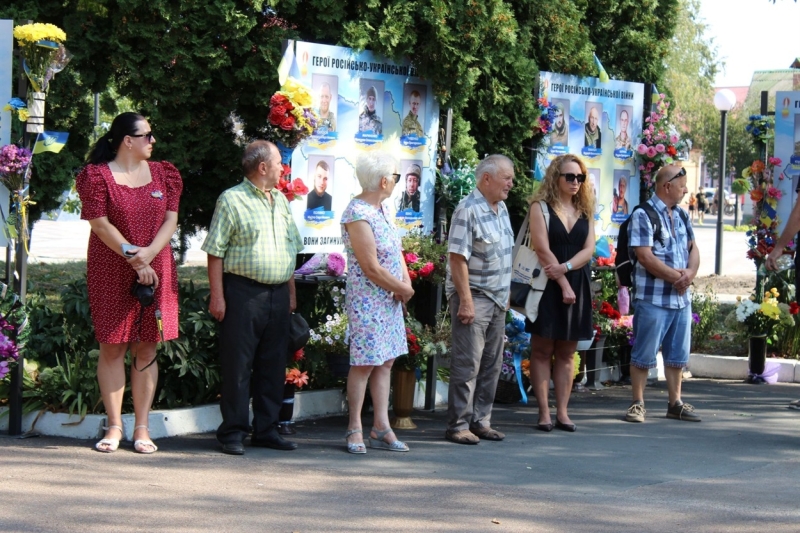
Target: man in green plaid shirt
[[251, 247]]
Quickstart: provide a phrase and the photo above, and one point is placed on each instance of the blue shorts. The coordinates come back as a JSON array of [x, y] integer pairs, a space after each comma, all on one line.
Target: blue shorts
[[660, 327]]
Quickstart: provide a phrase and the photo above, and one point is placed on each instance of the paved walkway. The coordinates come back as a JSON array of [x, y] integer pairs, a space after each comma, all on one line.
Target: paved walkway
[[737, 471], [67, 241]]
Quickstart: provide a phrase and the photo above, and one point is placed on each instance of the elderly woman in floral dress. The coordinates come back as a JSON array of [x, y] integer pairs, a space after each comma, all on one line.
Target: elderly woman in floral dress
[[378, 285]]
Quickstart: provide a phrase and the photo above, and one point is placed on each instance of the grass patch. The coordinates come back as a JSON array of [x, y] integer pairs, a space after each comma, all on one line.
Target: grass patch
[[49, 279]]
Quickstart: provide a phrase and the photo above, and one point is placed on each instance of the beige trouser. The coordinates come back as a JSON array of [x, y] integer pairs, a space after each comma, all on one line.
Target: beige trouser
[[475, 363]]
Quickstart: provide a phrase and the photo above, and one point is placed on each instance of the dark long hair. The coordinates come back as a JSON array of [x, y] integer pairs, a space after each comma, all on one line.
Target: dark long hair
[[105, 149]]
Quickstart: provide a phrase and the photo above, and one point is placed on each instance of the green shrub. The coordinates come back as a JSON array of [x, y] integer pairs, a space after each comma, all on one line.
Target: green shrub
[[706, 307]]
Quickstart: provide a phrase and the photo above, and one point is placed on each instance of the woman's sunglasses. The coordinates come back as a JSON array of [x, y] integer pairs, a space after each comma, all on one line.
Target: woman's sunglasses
[[572, 177], [148, 135]]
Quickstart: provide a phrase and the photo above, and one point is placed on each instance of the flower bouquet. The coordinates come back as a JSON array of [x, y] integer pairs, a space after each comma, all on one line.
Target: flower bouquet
[[14, 162], [660, 144], [416, 358], [43, 56], [294, 376], [425, 257], [761, 128], [761, 239], [763, 314], [546, 119], [291, 119], [332, 264]]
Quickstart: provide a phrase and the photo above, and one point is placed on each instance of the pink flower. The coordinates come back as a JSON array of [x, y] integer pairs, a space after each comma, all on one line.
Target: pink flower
[[642, 149], [650, 165], [426, 270], [660, 148], [651, 152], [411, 258], [774, 161], [774, 193], [673, 139], [336, 263]]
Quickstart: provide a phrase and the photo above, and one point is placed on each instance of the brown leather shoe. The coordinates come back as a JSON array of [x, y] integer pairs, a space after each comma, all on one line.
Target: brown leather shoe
[[487, 433], [464, 436]]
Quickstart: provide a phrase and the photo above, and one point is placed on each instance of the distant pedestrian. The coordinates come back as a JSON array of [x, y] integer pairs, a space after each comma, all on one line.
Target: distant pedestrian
[[702, 206], [478, 283], [662, 316]]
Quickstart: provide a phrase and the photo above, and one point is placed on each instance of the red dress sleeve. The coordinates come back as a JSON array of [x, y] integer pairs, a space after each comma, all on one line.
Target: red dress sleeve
[[174, 185], [93, 191]]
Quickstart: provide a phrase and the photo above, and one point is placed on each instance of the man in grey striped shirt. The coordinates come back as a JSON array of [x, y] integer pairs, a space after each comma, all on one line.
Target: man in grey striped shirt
[[478, 282]]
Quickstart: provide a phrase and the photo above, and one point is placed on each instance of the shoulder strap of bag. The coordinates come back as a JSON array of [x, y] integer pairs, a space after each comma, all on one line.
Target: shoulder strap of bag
[[524, 234]]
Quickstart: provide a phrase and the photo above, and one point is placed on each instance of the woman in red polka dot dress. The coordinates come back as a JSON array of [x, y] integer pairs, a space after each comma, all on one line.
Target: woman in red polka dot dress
[[129, 201]]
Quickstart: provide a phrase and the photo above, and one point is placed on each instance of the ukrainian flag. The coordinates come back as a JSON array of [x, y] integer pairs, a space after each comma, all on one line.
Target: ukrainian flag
[[50, 141]]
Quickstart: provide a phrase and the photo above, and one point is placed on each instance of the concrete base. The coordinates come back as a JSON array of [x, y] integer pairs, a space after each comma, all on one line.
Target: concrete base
[[171, 422], [729, 367]]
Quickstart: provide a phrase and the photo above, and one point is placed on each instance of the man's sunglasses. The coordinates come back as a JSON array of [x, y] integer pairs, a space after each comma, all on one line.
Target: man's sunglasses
[[148, 135], [396, 178], [572, 177], [678, 175]]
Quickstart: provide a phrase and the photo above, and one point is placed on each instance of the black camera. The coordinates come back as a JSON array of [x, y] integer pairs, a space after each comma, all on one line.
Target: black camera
[[144, 293]]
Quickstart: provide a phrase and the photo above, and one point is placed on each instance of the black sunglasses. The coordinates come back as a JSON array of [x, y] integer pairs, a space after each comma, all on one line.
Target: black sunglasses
[[148, 135], [678, 175], [396, 178], [572, 177]]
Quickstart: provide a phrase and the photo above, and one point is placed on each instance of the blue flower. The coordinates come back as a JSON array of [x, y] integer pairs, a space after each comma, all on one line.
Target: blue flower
[[17, 104]]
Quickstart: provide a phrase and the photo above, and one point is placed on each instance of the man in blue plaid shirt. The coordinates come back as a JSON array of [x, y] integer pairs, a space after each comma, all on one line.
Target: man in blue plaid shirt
[[666, 264], [478, 284]]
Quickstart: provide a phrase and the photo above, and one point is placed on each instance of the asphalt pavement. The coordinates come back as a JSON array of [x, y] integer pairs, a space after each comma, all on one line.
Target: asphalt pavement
[[736, 471]]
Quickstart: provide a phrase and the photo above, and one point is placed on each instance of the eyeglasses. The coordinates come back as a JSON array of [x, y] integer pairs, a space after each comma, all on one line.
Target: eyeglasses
[[678, 175], [572, 177], [396, 178], [148, 135]]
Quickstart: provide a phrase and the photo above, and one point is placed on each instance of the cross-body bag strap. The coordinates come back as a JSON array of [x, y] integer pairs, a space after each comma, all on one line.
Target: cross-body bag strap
[[524, 234]]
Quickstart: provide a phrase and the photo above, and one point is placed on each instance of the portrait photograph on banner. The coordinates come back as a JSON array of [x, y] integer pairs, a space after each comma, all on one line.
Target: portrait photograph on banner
[[600, 122], [366, 103]]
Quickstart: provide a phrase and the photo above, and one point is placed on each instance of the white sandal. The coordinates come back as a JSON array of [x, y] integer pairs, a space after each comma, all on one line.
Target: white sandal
[[355, 447], [140, 446], [105, 445]]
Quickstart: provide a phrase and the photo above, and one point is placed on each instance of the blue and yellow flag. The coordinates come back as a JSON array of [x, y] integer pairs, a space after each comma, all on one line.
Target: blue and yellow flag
[[601, 72], [50, 141]]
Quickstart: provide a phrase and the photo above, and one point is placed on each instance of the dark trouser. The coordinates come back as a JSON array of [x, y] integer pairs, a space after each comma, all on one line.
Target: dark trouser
[[253, 344]]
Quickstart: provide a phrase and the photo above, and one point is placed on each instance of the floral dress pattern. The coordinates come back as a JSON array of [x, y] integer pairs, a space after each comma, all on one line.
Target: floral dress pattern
[[376, 327]]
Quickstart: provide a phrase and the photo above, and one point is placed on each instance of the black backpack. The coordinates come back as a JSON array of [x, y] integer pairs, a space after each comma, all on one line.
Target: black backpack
[[623, 263]]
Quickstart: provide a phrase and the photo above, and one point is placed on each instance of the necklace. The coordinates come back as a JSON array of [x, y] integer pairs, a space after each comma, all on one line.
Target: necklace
[[126, 174]]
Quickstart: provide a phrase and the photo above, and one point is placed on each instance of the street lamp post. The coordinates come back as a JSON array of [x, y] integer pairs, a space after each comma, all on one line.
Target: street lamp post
[[724, 101]]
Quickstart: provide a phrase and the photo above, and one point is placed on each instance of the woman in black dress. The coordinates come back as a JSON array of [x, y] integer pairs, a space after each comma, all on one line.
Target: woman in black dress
[[565, 311]]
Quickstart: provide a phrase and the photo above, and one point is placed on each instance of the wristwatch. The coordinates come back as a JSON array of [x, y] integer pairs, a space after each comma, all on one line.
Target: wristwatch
[[569, 266]]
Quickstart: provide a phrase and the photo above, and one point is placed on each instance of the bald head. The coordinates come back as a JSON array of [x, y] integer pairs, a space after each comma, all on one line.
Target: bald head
[[667, 173]]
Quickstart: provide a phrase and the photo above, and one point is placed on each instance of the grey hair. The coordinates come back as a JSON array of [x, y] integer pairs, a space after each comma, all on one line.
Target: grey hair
[[255, 153], [491, 164], [373, 166]]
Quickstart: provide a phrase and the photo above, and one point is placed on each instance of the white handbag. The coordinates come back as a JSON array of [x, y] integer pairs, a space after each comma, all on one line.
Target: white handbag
[[528, 279]]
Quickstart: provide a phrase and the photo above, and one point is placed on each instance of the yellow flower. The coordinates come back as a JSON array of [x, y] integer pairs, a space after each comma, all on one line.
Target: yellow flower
[[770, 310], [738, 298], [32, 33], [7, 107], [23, 115], [746, 173], [297, 92]]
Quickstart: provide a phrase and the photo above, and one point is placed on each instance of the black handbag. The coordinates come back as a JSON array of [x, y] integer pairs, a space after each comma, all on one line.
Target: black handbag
[[299, 332]]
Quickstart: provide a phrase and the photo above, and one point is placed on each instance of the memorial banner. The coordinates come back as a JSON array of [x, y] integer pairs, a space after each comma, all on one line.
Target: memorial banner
[[365, 102], [600, 122], [787, 149]]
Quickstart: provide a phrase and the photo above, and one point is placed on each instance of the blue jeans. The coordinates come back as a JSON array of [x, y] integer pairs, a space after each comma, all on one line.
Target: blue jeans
[[660, 327]]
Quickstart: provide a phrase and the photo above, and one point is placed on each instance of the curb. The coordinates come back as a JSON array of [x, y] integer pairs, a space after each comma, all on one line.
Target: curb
[[188, 420], [730, 367]]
